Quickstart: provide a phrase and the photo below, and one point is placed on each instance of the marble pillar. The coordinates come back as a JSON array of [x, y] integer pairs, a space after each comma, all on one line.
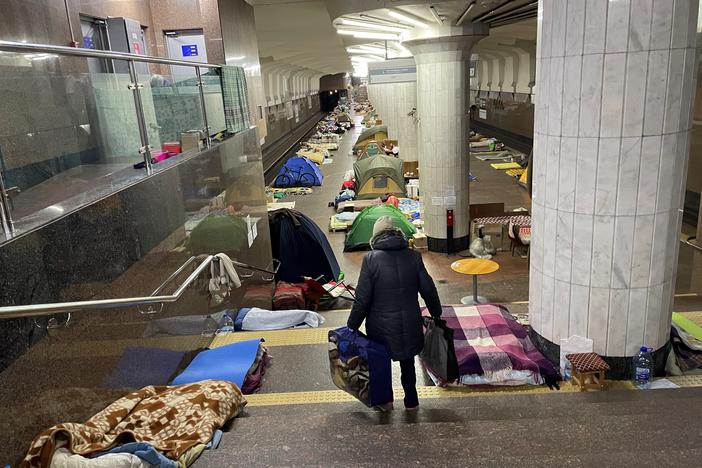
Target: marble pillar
[[442, 107], [614, 96], [394, 101]]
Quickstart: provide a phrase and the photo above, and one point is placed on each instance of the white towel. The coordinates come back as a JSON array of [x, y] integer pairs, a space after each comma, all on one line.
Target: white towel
[[223, 278]]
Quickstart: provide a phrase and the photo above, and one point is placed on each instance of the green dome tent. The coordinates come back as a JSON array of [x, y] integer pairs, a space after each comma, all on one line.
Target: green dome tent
[[377, 133], [372, 149], [378, 175], [218, 233], [359, 236]]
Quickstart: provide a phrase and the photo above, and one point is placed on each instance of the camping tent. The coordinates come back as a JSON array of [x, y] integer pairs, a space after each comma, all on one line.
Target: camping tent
[[377, 133], [298, 172], [372, 149], [359, 236], [218, 233], [316, 155], [344, 117], [301, 247], [379, 175]]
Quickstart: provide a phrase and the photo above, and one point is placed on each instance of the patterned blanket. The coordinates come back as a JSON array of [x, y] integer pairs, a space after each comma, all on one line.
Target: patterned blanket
[[172, 419], [522, 220], [492, 348]]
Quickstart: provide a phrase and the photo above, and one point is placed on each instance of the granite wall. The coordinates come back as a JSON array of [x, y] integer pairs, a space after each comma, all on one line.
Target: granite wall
[[94, 252]]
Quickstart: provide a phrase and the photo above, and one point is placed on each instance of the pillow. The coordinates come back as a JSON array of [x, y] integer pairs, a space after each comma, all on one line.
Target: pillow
[[231, 362]]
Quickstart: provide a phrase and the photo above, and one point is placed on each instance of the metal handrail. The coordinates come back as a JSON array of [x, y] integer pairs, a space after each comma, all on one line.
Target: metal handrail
[[9, 46], [694, 246], [37, 310]]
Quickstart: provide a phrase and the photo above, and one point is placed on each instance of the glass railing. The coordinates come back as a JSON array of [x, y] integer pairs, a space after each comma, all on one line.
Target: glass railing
[[71, 133], [56, 367]]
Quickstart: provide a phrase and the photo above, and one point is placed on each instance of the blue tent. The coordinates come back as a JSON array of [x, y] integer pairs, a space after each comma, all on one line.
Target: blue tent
[[301, 247], [298, 172]]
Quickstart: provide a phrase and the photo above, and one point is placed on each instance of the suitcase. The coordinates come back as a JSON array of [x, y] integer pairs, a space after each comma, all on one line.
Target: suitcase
[[360, 367]]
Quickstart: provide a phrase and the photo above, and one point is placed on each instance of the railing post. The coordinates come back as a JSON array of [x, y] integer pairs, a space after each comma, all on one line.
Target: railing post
[[145, 149], [201, 87], [8, 226]]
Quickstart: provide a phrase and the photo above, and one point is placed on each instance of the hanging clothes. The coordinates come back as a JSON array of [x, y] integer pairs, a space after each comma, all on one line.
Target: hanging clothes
[[235, 95], [223, 278]]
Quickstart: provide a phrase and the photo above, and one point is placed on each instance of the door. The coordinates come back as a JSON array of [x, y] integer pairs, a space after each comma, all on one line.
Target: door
[[94, 32], [188, 46]]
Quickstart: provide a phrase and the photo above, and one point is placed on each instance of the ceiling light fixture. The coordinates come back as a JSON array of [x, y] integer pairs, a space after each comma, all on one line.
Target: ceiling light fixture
[[358, 50], [365, 24], [373, 49], [435, 14], [404, 51], [408, 19], [463, 16], [368, 34], [386, 21]]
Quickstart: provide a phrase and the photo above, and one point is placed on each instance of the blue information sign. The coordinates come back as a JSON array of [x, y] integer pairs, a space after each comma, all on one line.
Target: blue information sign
[[189, 50]]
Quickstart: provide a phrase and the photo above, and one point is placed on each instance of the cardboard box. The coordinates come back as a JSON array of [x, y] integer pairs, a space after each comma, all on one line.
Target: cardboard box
[[410, 169], [191, 140], [420, 240], [497, 232]]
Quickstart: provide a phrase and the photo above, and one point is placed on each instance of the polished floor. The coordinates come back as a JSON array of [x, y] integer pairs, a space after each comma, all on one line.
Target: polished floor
[[300, 419]]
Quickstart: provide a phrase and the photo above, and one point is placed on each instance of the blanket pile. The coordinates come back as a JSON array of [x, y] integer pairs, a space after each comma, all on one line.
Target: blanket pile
[[494, 349], [171, 419]]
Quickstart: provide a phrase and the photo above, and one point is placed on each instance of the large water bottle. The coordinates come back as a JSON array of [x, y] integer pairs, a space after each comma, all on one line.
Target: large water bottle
[[643, 368]]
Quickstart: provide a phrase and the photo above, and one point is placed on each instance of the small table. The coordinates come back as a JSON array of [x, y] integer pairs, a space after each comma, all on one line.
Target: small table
[[475, 267]]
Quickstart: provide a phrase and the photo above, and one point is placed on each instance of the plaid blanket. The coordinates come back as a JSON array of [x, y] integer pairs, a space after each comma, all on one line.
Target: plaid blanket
[[492, 348], [522, 220], [172, 419], [235, 95]]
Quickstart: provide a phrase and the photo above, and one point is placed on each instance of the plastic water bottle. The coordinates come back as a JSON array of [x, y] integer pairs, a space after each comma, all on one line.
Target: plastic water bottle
[[567, 371], [227, 325], [643, 368]]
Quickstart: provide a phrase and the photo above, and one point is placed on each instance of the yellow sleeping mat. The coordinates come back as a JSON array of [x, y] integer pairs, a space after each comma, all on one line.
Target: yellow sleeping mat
[[510, 165]]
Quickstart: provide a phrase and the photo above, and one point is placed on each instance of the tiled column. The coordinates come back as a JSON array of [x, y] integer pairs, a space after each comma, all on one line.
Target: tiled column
[[394, 101], [613, 114], [442, 105]]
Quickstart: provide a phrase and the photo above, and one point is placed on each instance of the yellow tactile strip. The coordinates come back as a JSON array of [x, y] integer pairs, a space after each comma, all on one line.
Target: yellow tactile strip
[[339, 396], [686, 380], [301, 336]]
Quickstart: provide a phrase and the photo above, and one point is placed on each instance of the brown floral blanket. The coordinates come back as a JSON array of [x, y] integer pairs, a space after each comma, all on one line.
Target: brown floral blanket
[[172, 419]]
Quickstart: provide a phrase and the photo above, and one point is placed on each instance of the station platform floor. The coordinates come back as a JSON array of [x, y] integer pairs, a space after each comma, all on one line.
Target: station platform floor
[[299, 418]]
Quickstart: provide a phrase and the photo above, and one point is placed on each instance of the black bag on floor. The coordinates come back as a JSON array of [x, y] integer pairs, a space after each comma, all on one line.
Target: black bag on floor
[[439, 354]]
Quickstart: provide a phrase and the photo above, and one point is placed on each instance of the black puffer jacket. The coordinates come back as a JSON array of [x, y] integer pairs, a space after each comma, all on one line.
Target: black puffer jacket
[[391, 277]]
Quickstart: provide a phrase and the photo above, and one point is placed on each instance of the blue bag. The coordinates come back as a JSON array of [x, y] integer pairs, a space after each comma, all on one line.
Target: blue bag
[[360, 367]]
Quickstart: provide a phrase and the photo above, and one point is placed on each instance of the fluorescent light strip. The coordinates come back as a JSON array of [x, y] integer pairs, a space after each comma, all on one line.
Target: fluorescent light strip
[[386, 21], [374, 49], [435, 14], [365, 24], [368, 34], [463, 16], [408, 19]]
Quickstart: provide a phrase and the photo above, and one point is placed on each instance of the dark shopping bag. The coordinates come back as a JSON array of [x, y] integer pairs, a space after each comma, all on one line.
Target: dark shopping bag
[[360, 367], [439, 354]]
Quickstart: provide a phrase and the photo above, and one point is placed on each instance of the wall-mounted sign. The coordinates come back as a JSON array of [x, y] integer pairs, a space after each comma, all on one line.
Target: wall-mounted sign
[[392, 71], [189, 50], [482, 113]]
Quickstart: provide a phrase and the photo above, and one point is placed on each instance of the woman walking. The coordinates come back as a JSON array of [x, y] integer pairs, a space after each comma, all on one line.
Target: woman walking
[[391, 278]]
